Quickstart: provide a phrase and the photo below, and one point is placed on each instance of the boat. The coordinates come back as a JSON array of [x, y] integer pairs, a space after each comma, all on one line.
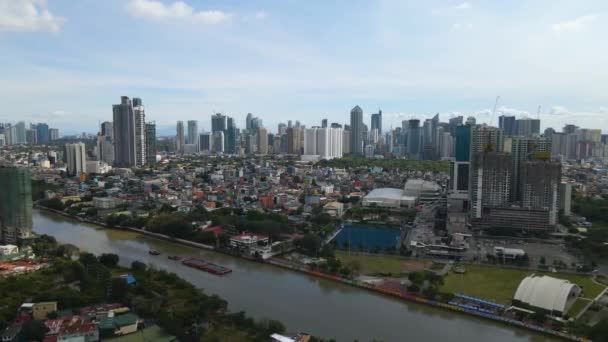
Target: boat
[[174, 257], [153, 252], [206, 266]]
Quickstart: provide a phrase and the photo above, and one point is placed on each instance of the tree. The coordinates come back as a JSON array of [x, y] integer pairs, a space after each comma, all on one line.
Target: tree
[[33, 330], [138, 266], [87, 258], [118, 290], [542, 260], [309, 243], [109, 259]]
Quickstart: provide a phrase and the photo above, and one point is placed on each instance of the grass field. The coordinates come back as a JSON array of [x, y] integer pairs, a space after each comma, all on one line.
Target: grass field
[[499, 284], [577, 307], [375, 264]]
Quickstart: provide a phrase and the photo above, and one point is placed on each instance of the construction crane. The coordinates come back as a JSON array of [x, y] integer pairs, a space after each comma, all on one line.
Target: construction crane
[[494, 110]]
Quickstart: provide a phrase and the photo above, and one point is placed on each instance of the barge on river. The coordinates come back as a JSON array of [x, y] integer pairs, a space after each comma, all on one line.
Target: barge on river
[[206, 266]]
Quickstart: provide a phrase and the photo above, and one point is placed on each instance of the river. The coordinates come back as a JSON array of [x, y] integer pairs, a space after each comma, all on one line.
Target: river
[[301, 302]]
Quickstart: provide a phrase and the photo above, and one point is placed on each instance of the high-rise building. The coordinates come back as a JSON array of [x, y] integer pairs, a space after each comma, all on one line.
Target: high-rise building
[[248, 121], [125, 131], [540, 186], [15, 204], [324, 123], [346, 145], [151, 142], [471, 121], [262, 140], [205, 142], [357, 131], [107, 129], [2, 140], [42, 132], [180, 138], [140, 132], [219, 123], [75, 158], [282, 128], [31, 136], [459, 173], [507, 124], [413, 137], [231, 136], [54, 134], [527, 127], [570, 129], [105, 149], [295, 140], [192, 137], [377, 121], [310, 141], [218, 142], [453, 123], [523, 149], [19, 134], [489, 182], [486, 138], [327, 143]]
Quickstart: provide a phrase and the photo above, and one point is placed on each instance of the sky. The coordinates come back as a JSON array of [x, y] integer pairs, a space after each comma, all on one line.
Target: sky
[[66, 62]]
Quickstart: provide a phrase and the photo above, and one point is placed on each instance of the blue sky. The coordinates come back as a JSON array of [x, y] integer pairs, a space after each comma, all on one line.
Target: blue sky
[[66, 62]]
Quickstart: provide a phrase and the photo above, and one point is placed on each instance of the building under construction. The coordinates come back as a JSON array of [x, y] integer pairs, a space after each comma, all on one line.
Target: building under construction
[[15, 204]]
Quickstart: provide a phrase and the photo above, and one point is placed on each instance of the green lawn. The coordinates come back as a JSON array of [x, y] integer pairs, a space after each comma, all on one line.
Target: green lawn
[[499, 284], [577, 307], [374, 264]]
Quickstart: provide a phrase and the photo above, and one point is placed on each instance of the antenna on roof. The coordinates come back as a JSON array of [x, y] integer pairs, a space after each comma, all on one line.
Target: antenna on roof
[[494, 110]]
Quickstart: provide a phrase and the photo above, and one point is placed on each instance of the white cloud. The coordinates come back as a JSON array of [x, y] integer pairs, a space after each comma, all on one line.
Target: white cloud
[[260, 15], [450, 10], [27, 16], [461, 27], [179, 10], [559, 110], [575, 25]]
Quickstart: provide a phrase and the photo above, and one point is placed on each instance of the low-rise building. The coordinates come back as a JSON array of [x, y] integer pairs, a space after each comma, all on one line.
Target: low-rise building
[[106, 202], [247, 240]]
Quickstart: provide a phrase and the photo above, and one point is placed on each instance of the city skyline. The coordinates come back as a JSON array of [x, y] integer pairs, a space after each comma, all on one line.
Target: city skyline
[[457, 60]]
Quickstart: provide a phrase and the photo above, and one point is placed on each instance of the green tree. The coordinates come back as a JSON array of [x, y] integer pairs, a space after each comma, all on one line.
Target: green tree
[[33, 330], [109, 259]]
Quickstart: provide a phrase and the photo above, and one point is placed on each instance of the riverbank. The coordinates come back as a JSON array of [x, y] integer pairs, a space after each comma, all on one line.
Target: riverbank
[[383, 327]]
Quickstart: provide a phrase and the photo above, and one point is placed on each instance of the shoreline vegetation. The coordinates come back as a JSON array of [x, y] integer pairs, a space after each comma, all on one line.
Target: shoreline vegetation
[[317, 273]]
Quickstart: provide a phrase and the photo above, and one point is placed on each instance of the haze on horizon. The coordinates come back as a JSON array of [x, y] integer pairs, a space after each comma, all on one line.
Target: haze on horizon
[[66, 62]]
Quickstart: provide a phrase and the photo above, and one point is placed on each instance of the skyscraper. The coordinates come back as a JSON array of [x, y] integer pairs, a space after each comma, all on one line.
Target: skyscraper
[[15, 204], [151, 142], [540, 186], [490, 181], [377, 122], [248, 120], [180, 139], [205, 142], [31, 136], [459, 173], [507, 124], [356, 128], [218, 122], [527, 127], [262, 140], [324, 123], [54, 134], [192, 137], [75, 158], [19, 135], [125, 146], [218, 142], [107, 129], [524, 149], [413, 138], [42, 131], [231, 136], [140, 132]]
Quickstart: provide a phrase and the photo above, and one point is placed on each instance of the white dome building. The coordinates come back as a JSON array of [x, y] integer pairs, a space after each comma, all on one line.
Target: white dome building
[[548, 293]]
